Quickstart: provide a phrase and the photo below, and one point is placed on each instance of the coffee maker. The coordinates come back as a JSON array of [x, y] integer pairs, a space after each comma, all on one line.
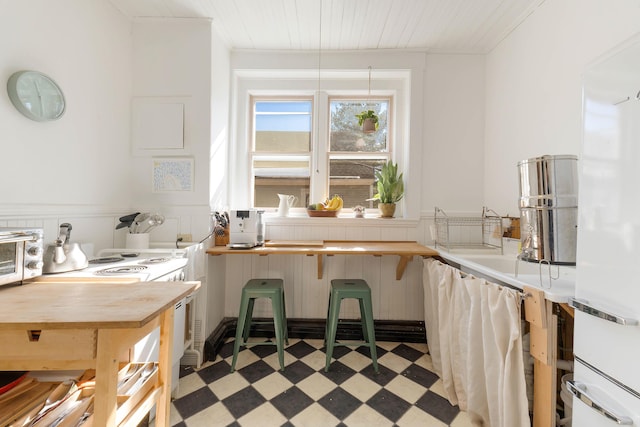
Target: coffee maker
[[243, 228]]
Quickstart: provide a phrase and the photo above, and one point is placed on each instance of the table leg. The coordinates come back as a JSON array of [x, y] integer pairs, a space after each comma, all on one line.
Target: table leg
[[105, 399], [163, 406]]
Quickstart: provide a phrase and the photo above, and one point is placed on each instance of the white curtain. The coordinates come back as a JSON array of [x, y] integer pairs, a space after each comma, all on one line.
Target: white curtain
[[474, 338]]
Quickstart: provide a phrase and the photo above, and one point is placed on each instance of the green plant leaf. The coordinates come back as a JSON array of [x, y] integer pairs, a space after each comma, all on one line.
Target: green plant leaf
[[390, 186], [369, 114]]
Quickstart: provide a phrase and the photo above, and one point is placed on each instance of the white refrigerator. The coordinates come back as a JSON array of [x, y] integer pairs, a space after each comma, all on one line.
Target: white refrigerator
[[606, 385]]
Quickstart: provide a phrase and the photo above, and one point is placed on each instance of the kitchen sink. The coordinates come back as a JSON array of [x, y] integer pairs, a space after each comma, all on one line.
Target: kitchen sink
[[507, 264], [558, 282], [503, 264]]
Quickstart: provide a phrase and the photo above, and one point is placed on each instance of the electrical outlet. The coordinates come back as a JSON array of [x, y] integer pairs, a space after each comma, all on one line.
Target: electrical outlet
[[184, 238]]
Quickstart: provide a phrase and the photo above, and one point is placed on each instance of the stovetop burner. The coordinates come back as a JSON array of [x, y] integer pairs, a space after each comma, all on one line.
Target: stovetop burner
[[125, 269], [157, 260], [106, 260]]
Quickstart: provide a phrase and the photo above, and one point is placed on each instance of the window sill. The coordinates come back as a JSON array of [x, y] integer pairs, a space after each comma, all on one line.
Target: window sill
[[370, 220]]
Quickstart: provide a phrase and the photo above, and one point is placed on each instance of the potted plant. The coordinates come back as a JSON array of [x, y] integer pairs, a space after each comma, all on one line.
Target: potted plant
[[368, 120], [390, 188]]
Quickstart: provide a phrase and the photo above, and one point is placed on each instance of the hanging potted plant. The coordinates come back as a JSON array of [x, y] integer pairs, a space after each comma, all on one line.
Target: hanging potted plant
[[390, 188], [368, 120]]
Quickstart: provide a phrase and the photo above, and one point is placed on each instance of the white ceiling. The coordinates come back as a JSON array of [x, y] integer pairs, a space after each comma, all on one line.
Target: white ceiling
[[446, 26]]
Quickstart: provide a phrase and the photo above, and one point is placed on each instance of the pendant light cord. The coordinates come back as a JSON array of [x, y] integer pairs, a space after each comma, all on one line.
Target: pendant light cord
[[369, 93], [317, 124]]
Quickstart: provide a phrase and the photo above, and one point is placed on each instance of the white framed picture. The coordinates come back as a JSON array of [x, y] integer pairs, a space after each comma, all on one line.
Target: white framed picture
[[172, 174]]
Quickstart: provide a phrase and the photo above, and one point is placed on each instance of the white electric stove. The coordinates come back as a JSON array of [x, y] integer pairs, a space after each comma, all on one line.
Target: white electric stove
[[147, 266]]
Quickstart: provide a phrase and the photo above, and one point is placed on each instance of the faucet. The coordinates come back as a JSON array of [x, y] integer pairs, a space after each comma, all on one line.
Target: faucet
[[526, 252]]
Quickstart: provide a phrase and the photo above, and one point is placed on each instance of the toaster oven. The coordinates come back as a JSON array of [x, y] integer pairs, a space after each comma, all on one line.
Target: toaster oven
[[21, 251]]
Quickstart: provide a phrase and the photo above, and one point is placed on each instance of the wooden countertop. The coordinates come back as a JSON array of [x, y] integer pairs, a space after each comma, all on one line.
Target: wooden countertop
[[405, 249], [330, 247], [88, 305]]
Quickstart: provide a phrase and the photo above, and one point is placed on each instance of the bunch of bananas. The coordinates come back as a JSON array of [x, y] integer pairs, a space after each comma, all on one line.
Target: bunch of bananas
[[333, 204]]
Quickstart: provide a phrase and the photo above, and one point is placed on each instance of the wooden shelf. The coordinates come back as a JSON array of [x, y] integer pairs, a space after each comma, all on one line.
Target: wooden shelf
[[405, 250]]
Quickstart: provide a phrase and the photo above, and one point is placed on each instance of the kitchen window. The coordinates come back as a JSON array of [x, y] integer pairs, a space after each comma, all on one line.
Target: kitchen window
[[354, 155], [281, 153], [314, 154]]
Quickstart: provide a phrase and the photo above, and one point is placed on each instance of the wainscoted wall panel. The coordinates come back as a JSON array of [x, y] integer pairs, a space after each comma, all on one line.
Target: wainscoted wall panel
[[306, 295], [95, 228]]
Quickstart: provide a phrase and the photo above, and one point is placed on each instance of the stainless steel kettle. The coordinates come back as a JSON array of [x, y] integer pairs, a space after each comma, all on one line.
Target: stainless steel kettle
[[63, 255]]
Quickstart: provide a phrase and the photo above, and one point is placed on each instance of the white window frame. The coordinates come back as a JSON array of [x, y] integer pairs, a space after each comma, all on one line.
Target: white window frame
[[355, 155], [301, 83], [265, 155]]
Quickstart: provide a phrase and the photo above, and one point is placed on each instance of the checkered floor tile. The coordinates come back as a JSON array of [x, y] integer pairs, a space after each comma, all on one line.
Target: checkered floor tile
[[404, 393]]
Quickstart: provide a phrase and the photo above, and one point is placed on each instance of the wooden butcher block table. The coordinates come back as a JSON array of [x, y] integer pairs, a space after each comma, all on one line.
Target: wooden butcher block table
[[70, 326], [406, 250]]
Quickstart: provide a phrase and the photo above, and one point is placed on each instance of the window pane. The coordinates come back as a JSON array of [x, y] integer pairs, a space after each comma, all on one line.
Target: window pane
[[354, 181], [347, 134], [284, 176], [282, 126]]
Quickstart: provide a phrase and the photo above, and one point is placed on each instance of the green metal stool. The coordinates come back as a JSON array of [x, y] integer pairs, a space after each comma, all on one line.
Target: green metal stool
[[350, 288], [261, 288]]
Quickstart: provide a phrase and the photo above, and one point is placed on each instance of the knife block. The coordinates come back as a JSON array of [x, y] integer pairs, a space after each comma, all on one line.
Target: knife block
[[221, 236]]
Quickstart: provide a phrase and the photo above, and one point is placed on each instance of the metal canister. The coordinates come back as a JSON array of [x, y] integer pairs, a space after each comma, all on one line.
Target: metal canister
[[549, 209], [261, 229]]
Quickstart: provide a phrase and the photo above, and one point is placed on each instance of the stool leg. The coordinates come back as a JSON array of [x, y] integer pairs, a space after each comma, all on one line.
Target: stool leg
[[363, 323], [247, 323], [367, 315], [284, 320], [242, 316], [332, 320], [276, 304], [326, 324]]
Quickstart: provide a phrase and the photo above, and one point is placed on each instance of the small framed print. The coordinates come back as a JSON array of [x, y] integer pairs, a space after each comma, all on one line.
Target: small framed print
[[172, 174]]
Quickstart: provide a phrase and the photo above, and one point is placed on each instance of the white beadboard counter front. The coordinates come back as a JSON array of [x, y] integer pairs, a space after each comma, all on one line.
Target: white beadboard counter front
[[501, 269]]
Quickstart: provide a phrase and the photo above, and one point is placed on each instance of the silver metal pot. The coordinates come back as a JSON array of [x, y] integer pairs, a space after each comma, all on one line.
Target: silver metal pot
[[549, 209]]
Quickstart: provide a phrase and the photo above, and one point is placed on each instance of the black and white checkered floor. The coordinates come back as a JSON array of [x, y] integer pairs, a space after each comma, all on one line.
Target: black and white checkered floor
[[405, 392]]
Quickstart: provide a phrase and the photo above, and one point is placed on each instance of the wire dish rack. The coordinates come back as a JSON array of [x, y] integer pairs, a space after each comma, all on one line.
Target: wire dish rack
[[483, 232]]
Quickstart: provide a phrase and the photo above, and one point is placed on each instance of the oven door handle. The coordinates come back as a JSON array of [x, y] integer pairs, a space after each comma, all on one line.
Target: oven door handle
[[585, 307], [579, 390], [18, 237]]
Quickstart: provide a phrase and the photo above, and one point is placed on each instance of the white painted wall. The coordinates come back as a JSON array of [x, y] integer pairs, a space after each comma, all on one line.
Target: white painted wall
[[218, 174], [81, 168], [172, 60], [453, 143], [80, 162], [533, 86], [220, 104]]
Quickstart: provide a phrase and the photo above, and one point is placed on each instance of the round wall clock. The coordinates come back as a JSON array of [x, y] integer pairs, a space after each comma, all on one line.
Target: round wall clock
[[36, 95]]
